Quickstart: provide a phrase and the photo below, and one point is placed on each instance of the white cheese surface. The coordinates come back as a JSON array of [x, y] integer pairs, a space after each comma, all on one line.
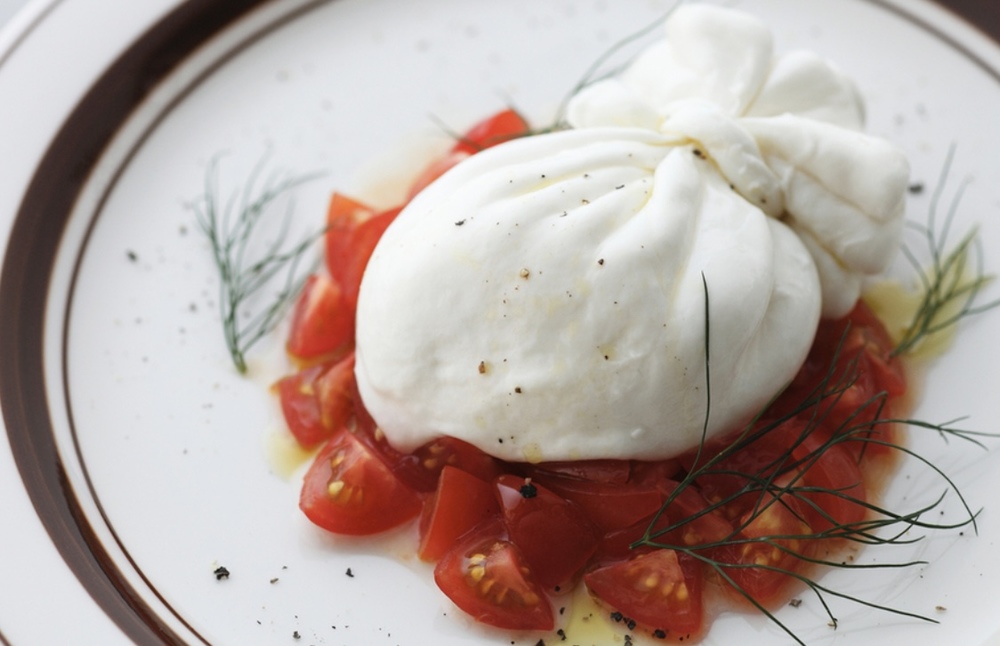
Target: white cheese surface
[[546, 299]]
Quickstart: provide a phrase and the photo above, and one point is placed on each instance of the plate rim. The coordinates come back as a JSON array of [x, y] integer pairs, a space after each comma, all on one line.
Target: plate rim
[[168, 42]]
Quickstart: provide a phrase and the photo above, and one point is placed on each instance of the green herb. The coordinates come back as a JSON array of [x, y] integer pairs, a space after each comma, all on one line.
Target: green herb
[[955, 278], [602, 69], [780, 481], [248, 266]]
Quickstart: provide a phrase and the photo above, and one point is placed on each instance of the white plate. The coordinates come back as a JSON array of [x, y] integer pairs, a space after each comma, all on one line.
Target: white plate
[[137, 460]]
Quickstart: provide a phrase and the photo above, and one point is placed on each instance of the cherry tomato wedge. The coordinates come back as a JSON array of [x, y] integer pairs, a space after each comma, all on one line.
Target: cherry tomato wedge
[[349, 490], [461, 502], [322, 322], [609, 506], [554, 534], [659, 589], [353, 230], [486, 576], [318, 400], [502, 126], [835, 469], [770, 540]]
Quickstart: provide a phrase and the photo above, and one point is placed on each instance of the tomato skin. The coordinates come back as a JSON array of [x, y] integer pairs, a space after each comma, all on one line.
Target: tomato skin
[[461, 502], [349, 490], [322, 323], [836, 469], [609, 506], [554, 534], [318, 400], [659, 589], [863, 370], [767, 453], [300, 406], [485, 575], [353, 231], [602, 471], [755, 560], [502, 126]]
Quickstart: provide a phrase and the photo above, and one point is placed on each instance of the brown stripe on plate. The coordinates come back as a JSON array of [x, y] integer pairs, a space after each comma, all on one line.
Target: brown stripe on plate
[[24, 284], [35, 236]]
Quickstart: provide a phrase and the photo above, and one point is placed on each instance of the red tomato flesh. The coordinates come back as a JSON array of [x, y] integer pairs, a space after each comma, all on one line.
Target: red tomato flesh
[[318, 401], [322, 321], [766, 551], [554, 534], [654, 589], [485, 575], [461, 502], [349, 490]]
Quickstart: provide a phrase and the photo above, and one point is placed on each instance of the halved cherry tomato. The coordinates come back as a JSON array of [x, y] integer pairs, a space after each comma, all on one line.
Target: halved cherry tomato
[[609, 506], [502, 126], [349, 490], [659, 589], [322, 323], [688, 514], [300, 406], [766, 453], [317, 401], [461, 502], [353, 230], [554, 534], [835, 469], [771, 537], [870, 336], [486, 576], [851, 364], [421, 469]]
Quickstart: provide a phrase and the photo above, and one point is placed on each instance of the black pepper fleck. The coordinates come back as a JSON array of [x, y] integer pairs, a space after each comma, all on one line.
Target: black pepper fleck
[[349, 573], [600, 261], [562, 634], [221, 573], [528, 490], [132, 256], [916, 188], [517, 389], [460, 223], [659, 633], [296, 635]]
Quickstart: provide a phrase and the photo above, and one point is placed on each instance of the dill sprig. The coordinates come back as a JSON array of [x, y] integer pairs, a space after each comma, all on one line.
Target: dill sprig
[[955, 278], [781, 482], [601, 68], [248, 266]]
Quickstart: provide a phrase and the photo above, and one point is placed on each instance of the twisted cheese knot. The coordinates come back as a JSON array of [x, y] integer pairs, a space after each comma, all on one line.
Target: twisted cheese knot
[[785, 132]]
